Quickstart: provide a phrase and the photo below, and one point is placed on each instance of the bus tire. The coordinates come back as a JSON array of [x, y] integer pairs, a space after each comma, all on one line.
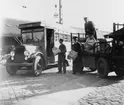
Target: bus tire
[[38, 65], [11, 70], [102, 68]]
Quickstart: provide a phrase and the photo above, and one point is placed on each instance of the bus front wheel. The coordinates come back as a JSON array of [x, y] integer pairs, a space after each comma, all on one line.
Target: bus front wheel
[[11, 70], [38, 65]]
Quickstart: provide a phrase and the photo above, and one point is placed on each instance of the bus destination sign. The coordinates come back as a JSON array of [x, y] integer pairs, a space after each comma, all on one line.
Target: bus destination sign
[[30, 25]]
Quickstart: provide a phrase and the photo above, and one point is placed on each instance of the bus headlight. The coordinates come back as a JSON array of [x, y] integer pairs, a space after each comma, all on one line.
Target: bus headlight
[[26, 58], [26, 53], [12, 53], [12, 58]]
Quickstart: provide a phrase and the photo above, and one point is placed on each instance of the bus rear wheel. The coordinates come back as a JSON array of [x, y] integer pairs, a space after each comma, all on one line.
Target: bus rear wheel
[[38, 65]]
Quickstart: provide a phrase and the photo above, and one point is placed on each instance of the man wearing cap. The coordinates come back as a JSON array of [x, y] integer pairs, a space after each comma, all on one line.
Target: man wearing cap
[[61, 57], [77, 63], [89, 28]]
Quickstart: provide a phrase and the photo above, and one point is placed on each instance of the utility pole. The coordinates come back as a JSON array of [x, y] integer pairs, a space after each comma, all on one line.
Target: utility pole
[[60, 12], [59, 15]]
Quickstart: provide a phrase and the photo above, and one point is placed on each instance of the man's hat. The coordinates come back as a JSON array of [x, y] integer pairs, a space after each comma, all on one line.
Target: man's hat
[[61, 39], [85, 17], [75, 37]]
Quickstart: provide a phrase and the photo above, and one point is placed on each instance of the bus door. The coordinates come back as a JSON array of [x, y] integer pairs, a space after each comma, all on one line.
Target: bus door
[[50, 45]]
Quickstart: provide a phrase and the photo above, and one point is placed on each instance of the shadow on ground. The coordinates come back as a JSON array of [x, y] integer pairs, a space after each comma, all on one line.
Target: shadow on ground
[[51, 82]]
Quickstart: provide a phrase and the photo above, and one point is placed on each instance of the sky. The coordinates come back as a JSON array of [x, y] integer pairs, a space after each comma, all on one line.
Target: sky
[[102, 12]]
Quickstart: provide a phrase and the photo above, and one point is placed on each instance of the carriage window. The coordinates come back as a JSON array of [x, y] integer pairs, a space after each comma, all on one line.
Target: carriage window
[[66, 38], [32, 36], [61, 36], [69, 38], [56, 36], [37, 36], [26, 37], [29, 37]]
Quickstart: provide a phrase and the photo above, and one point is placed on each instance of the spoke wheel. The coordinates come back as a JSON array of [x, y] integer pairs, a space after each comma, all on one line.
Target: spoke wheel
[[38, 65], [11, 70], [102, 67]]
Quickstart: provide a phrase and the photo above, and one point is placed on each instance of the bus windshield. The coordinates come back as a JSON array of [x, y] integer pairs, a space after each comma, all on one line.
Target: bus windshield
[[32, 36]]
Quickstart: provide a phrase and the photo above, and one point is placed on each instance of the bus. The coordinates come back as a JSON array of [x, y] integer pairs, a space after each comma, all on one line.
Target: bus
[[35, 51]]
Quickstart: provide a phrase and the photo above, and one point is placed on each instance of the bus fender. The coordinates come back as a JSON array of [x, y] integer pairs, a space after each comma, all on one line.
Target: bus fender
[[42, 56]]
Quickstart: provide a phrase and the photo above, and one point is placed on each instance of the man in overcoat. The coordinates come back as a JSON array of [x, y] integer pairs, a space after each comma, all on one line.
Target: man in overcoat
[[77, 62]]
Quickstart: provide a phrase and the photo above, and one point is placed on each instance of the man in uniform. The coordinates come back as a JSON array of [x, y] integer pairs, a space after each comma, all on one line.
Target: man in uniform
[[77, 62], [89, 28], [61, 57]]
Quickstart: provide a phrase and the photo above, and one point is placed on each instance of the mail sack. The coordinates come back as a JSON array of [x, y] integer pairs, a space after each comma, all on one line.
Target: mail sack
[[56, 50], [73, 54]]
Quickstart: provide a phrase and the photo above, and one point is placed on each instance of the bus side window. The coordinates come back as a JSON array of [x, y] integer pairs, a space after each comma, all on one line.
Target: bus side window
[[69, 38], [61, 36], [56, 36], [66, 38]]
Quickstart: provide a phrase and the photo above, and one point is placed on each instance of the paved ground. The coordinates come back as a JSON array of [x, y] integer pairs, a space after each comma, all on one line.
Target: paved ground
[[60, 89], [110, 93]]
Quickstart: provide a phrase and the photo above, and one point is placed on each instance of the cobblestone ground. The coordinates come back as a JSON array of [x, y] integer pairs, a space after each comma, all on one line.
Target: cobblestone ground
[[15, 89], [110, 94]]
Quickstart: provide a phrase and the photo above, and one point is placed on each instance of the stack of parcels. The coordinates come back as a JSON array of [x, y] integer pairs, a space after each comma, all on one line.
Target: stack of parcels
[[56, 50], [72, 54]]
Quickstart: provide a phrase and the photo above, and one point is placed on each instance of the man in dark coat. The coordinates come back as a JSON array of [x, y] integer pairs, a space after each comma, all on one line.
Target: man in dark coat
[[89, 28], [61, 57], [77, 63]]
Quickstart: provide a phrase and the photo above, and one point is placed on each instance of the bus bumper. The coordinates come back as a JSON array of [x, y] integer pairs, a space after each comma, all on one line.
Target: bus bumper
[[17, 64]]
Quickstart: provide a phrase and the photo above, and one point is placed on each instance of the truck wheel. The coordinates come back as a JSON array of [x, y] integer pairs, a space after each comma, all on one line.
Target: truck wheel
[[102, 67], [38, 65], [11, 70], [119, 72]]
